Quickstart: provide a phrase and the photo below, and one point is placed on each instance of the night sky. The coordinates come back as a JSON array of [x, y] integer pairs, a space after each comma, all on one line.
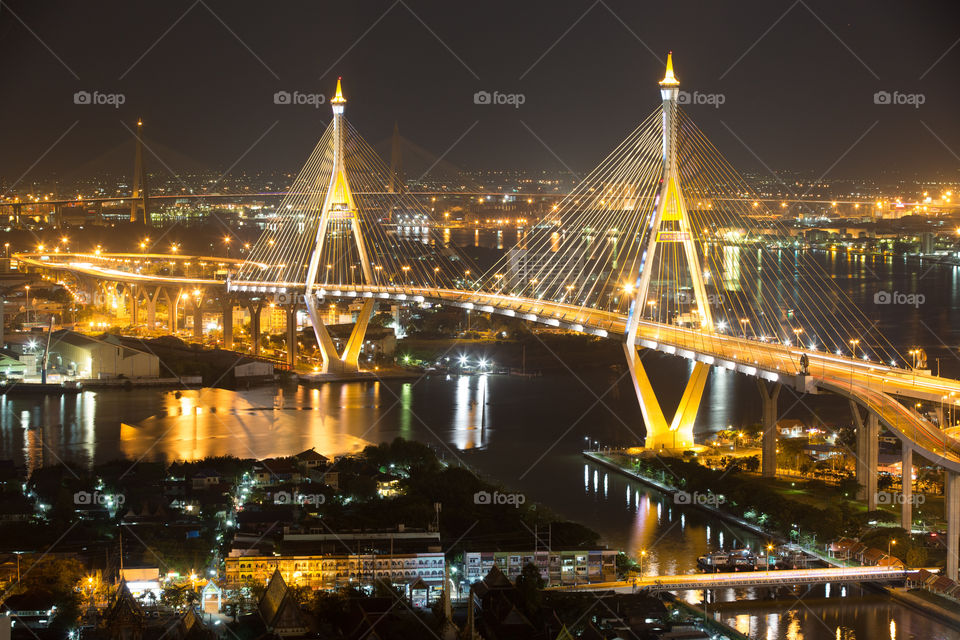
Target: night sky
[[797, 79]]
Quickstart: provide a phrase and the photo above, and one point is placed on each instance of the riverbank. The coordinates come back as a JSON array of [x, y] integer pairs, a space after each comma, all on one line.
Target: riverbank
[[924, 603], [392, 373], [673, 492], [712, 625], [918, 600]]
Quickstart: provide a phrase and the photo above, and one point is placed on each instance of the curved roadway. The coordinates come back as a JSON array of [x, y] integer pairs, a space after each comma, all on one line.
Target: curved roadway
[[870, 384]]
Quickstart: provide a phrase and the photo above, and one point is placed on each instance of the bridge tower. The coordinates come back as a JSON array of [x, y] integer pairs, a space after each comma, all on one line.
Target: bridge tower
[[395, 185], [338, 212], [670, 223], [140, 192]]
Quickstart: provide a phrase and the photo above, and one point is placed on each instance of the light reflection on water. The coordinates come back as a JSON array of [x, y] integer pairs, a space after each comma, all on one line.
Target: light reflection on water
[[523, 433]]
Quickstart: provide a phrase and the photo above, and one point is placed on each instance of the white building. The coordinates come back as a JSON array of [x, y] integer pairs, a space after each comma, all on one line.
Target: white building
[[87, 357]]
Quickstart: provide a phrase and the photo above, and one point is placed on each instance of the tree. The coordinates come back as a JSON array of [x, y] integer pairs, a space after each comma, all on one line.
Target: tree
[[174, 596], [382, 319], [529, 587], [916, 556], [301, 595]]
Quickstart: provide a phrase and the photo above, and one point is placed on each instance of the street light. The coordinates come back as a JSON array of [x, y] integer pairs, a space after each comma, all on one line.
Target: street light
[[643, 554], [854, 343]]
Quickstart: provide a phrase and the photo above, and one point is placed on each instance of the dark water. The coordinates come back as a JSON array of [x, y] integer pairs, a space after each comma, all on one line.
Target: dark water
[[524, 433]]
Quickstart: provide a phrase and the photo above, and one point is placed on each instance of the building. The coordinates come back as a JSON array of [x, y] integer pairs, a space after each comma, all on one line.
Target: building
[[11, 365], [556, 567], [142, 580], [86, 357], [205, 480], [379, 342], [331, 571], [30, 610], [309, 460], [278, 610]]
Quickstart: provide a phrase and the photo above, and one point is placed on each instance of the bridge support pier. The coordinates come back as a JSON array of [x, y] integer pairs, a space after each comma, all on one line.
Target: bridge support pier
[[134, 299], [254, 308], [151, 313], [678, 433], [227, 321], [952, 508], [152, 308], [768, 413], [868, 452], [349, 360], [906, 492], [172, 307], [291, 335], [198, 317]]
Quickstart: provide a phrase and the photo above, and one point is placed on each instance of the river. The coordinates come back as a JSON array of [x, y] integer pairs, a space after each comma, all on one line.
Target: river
[[524, 433]]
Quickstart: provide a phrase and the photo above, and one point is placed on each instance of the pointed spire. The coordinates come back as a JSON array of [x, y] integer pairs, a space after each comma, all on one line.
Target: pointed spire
[[669, 78], [338, 99]]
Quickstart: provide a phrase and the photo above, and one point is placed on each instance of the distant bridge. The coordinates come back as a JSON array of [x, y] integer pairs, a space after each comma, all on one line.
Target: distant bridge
[[745, 579]]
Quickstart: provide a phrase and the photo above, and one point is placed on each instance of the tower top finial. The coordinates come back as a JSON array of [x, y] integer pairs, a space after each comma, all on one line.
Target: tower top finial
[[669, 79], [338, 99]]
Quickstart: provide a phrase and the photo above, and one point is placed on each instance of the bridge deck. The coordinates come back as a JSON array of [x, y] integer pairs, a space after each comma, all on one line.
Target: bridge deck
[[872, 384], [779, 577]]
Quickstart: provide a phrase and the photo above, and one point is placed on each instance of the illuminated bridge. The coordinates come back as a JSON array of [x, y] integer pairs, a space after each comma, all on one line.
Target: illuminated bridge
[[662, 246], [744, 579]]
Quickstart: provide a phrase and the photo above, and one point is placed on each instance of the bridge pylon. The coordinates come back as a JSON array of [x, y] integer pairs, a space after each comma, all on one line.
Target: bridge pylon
[[140, 192], [670, 223], [338, 215]]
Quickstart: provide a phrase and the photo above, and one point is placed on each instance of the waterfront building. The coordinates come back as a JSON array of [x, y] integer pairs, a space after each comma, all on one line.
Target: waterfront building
[[87, 357], [332, 570], [556, 567]]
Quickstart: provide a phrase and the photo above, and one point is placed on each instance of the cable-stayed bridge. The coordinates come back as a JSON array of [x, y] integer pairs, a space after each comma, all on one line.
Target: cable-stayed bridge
[[660, 246]]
